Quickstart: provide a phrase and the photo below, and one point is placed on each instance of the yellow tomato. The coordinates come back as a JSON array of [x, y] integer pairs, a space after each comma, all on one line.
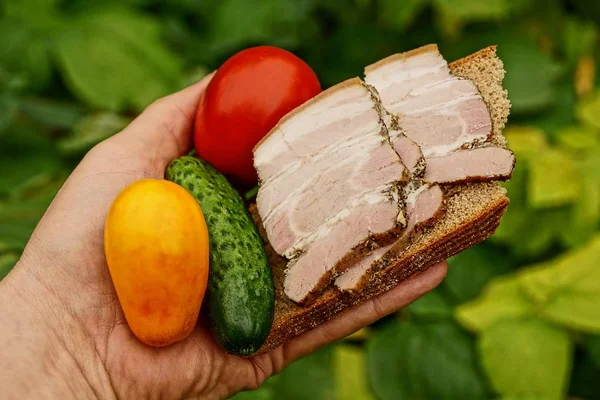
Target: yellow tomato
[[156, 245]]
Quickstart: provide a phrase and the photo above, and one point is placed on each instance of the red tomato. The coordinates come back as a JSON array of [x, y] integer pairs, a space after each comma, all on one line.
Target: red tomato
[[245, 99]]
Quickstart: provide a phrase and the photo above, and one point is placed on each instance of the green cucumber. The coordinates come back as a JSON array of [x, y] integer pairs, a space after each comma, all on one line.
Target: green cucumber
[[241, 295]]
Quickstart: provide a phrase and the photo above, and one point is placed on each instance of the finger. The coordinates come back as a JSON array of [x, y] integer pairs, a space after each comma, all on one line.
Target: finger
[[370, 311], [164, 129]]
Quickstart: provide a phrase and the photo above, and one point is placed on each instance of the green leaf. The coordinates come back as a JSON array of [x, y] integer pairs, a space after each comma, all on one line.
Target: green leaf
[[349, 372], [526, 356], [588, 111], [538, 231], [449, 25], [239, 23], [567, 290], [21, 213], [92, 130], [516, 214], [7, 262], [26, 33], [530, 75], [561, 113], [26, 206], [554, 179], [24, 53], [529, 232], [578, 139], [474, 10], [261, 393], [8, 112], [352, 47], [508, 232], [433, 306], [55, 114], [423, 361], [193, 76], [44, 188], [14, 237], [471, 270], [583, 218], [544, 282], [24, 213], [521, 6], [21, 169], [502, 299], [113, 58], [37, 12], [579, 38], [525, 141], [525, 396], [589, 166], [593, 346], [316, 370], [400, 14]]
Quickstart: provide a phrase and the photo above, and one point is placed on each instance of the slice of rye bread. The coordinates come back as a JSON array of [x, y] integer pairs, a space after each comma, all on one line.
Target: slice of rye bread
[[473, 213]]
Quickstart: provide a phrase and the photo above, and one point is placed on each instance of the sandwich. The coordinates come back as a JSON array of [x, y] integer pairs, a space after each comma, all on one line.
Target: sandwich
[[374, 180]]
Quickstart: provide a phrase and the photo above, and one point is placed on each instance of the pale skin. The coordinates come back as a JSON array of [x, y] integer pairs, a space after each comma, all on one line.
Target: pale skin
[[62, 330]]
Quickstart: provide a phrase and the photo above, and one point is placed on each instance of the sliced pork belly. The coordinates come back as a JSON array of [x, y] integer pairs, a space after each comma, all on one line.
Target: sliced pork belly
[[442, 113], [448, 121], [483, 163], [329, 186], [338, 114], [424, 204], [300, 202], [436, 109], [312, 271]]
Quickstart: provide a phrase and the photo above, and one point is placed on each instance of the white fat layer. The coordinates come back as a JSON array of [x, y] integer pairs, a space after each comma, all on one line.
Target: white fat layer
[[406, 69], [347, 101], [295, 128], [381, 194], [443, 107], [370, 137], [439, 151], [429, 90], [363, 146]]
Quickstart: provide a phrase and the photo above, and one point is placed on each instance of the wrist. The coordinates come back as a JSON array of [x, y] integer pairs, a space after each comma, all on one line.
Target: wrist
[[44, 353]]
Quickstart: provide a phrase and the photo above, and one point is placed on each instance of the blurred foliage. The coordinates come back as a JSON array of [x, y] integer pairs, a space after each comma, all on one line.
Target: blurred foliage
[[518, 317]]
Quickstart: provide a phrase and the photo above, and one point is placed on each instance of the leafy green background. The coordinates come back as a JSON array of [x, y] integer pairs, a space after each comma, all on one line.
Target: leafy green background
[[518, 317]]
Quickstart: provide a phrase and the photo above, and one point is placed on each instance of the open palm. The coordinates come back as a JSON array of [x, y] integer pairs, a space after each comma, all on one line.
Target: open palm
[[63, 279]]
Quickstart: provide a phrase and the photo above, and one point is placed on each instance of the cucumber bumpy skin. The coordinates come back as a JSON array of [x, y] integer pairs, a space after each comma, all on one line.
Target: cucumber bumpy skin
[[241, 295]]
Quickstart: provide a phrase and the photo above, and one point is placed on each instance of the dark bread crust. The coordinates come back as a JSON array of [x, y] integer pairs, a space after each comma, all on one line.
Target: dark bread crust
[[473, 213]]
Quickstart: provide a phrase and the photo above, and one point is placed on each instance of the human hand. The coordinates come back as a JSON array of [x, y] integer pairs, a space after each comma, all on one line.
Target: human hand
[[62, 331]]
